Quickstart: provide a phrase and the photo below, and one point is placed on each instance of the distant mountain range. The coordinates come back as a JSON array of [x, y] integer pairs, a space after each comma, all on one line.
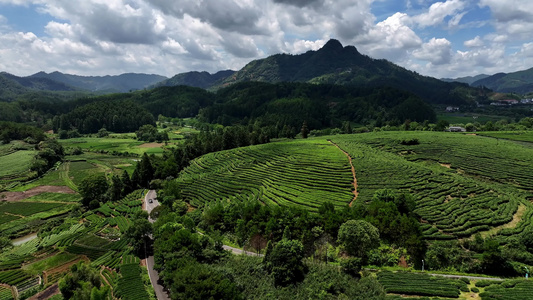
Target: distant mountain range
[[520, 82], [13, 87], [103, 84], [203, 80], [468, 79]]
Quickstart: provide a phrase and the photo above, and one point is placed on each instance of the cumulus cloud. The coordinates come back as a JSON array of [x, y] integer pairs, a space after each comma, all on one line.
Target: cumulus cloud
[[439, 11], [391, 38], [514, 20], [97, 37], [436, 51], [475, 42]]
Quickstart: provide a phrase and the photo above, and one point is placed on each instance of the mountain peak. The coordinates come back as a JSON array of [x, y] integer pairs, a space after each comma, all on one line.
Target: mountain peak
[[333, 44]]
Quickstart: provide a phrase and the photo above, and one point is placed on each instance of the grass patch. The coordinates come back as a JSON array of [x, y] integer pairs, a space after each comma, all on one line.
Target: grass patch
[[54, 197], [49, 263], [16, 163]]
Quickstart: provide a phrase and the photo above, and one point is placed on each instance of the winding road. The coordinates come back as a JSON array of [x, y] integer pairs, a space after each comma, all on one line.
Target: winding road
[[160, 291]]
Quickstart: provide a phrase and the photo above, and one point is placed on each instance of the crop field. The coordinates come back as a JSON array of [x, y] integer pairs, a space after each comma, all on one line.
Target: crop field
[[458, 181], [509, 290], [54, 197], [49, 263], [421, 284], [460, 118], [5, 293], [110, 144], [522, 136], [297, 173], [16, 163], [459, 189], [26, 209], [130, 284]]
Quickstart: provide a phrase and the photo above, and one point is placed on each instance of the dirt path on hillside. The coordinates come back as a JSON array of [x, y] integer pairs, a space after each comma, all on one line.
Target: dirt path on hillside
[[17, 196], [46, 294], [355, 192]]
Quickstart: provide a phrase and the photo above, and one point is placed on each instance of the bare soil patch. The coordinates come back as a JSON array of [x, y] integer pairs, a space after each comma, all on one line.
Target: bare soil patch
[[151, 145], [46, 294], [449, 166], [17, 196]]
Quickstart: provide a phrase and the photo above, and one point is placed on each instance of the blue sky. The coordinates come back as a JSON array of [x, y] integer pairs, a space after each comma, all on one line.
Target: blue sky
[[447, 38]]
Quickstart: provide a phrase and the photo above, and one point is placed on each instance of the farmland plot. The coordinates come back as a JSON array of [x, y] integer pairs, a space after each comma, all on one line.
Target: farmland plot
[[296, 173]]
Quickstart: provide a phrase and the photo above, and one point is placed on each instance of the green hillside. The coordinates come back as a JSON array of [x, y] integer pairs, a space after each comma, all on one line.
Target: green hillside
[[335, 64], [196, 79], [459, 191], [520, 82], [102, 84]]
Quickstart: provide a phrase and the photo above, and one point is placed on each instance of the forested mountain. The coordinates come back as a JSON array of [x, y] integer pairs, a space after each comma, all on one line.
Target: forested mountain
[[518, 82], [117, 116], [335, 64], [468, 79], [196, 79], [321, 106], [13, 87], [104, 84]]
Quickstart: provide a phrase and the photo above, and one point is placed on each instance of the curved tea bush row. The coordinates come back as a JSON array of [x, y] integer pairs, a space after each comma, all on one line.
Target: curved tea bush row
[[5, 293], [509, 290], [14, 277], [130, 284], [450, 205], [420, 284], [297, 173]]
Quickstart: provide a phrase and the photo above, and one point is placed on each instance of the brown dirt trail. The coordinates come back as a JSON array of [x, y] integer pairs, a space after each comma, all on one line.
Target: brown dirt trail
[[355, 192]]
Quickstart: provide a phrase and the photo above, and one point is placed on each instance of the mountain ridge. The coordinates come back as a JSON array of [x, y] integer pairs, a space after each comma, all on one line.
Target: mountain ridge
[[107, 84], [345, 65], [520, 82]]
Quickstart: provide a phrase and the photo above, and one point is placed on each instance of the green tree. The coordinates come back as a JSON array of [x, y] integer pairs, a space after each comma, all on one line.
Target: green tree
[[93, 187], [116, 188], [127, 185], [304, 130], [358, 237], [347, 127], [103, 132], [286, 262], [138, 234], [80, 282]]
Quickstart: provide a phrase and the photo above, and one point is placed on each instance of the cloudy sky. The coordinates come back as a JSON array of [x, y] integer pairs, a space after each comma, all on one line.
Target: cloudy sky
[[447, 38]]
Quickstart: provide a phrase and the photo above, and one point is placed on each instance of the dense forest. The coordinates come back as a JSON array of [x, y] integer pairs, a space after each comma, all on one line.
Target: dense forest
[[322, 106], [281, 105]]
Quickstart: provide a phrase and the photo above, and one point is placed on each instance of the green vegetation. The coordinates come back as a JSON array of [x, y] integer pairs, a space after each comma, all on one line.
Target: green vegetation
[[296, 173], [508, 290], [130, 285], [16, 164], [421, 284]]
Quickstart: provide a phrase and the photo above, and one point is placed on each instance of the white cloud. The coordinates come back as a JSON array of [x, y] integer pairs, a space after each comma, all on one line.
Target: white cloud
[[439, 11], [97, 37], [475, 42], [436, 51], [390, 39]]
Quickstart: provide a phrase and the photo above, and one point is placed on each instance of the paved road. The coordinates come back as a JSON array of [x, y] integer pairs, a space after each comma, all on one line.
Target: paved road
[[240, 251], [151, 194], [160, 292], [469, 277]]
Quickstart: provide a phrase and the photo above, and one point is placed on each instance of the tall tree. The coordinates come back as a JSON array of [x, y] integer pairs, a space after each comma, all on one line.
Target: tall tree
[[93, 188], [305, 130]]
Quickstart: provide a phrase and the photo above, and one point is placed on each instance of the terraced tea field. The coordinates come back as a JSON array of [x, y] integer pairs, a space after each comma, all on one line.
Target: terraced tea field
[[457, 180], [299, 173]]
